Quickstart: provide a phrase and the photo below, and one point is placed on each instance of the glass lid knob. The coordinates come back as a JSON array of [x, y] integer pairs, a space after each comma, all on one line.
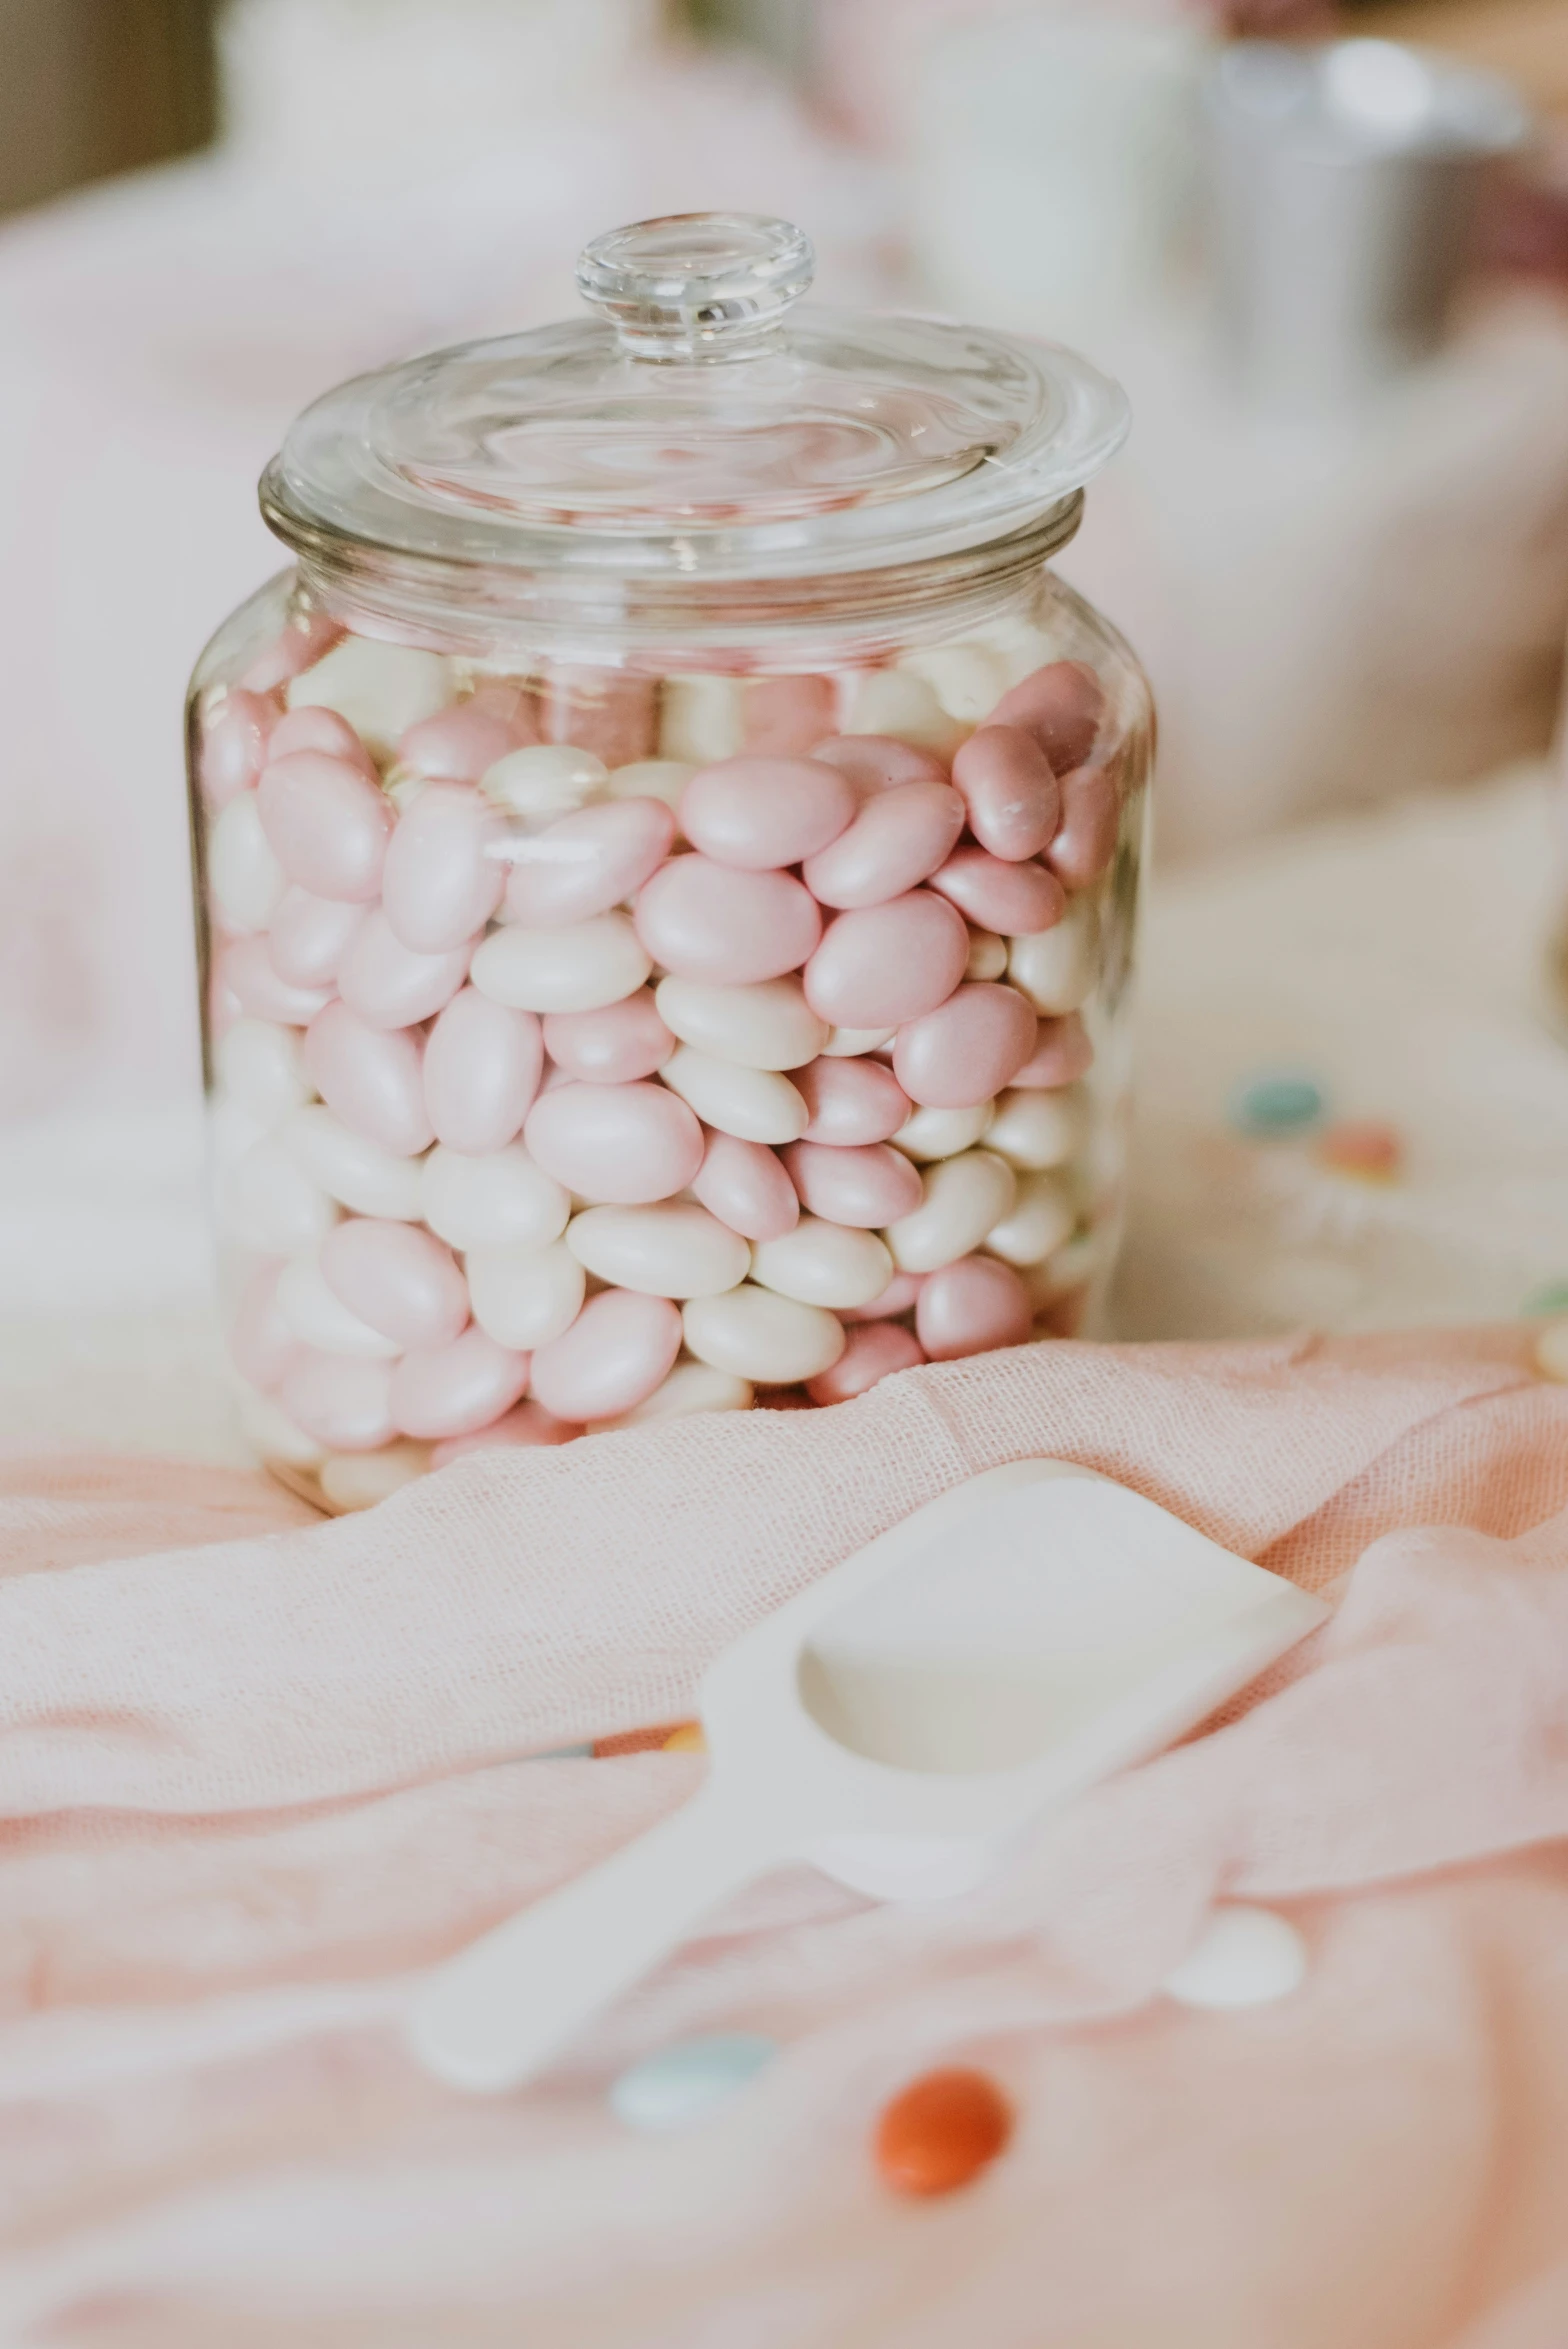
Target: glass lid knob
[[699, 285]]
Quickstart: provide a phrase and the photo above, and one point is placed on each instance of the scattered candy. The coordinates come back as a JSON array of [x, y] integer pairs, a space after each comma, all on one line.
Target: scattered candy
[[1244, 1957], [1368, 1152], [1279, 1104], [682, 2085], [688, 1739], [941, 2133]]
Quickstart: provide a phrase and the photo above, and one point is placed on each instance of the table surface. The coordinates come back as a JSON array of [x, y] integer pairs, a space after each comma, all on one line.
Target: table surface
[[1398, 957]]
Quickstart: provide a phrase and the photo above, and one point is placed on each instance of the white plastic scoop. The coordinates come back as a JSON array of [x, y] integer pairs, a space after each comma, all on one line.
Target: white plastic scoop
[[900, 1725]]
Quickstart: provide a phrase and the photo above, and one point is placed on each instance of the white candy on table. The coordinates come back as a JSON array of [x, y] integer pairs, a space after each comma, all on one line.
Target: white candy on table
[[582, 967], [267, 1201], [942, 1133], [673, 1249], [701, 719], [351, 1168], [768, 1025], [1038, 1130], [524, 1297], [822, 1263], [850, 1043], [317, 1317], [690, 1388], [967, 679], [245, 879], [662, 779], [965, 1199], [359, 1480], [261, 1069], [1057, 968], [1039, 1223], [893, 701], [381, 689], [502, 1200], [755, 1334], [755, 1105]]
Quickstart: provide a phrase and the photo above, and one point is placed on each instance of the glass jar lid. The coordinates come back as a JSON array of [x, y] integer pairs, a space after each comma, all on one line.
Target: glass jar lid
[[704, 424]]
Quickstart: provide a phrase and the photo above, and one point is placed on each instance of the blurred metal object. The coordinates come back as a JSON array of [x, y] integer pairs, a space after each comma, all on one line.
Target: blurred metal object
[[1345, 181]]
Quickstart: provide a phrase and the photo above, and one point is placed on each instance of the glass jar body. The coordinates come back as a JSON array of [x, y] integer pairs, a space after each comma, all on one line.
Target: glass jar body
[[603, 1024]]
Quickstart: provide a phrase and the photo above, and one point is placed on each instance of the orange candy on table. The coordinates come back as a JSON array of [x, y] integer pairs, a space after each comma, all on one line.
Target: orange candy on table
[[939, 2133], [1367, 1151]]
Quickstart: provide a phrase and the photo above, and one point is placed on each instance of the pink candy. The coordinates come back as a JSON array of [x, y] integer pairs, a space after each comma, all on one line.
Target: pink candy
[[261, 991], [874, 1352], [326, 823], [1061, 1055], [898, 839], [851, 1101], [263, 1346], [702, 920], [620, 1145], [234, 746], [972, 1307], [528, 1428], [604, 711], [618, 1350], [1015, 900], [1061, 706], [456, 1389], [462, 743], [299, 647], [583, 864], [789, 714], [966, 1050], [309, 937], [372, 1077], [1085, 841], [1010, 790], [392, 985], [344, 1404], [615, 1046], [313, 728], [877, 762], [866, 1188], [883, 964], [442, 883], [902, 1291], [762, 813], [745, 1185], [399, 1279], [483, 1065]]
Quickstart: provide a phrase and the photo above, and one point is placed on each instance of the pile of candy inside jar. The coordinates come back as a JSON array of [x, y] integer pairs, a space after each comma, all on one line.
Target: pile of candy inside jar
[[594, 1046]]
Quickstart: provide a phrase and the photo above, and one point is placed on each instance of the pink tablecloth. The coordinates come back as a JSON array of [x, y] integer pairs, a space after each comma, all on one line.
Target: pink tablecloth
[[257, 1772]]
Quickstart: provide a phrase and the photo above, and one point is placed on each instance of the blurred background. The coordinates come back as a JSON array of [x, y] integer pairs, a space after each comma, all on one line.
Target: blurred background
[[1325, 246]]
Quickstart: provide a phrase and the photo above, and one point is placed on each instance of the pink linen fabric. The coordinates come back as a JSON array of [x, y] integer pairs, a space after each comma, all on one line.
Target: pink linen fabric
[[257, 1773]]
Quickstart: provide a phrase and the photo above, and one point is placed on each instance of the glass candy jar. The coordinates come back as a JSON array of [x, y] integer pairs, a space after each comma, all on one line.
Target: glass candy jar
[[667, 858]]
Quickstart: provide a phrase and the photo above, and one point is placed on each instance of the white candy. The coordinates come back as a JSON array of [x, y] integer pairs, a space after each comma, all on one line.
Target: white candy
[[756, 1105], [965, 1198], [892, 701], [967, 679], [849, 1043], [822, 1263], [1058, 967], [358, 1480], [942, 1133], [1041, 1220], [274, 1436], [319, 1318], [1244, 1957], [581, 967], [676, 1249], [768, 1026], [1037, 1130], [1019, 645], [501, 1200], [382, 689], [662, 779], [245, 878], [352, 1168], [690, 1387], [261, 1069], [987, 955], [524, 1297], [267, 1201], [701, 719], [754, 1334], [545, 781]]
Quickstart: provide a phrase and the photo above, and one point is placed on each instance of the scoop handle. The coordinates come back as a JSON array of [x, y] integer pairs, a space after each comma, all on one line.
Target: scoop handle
[[501, 2012]]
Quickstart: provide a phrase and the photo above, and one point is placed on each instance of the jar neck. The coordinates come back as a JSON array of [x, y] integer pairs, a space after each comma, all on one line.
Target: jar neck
[[476, 611]]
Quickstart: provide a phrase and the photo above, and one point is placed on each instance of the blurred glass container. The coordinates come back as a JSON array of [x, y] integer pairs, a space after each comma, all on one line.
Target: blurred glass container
[[1057, 168], [1345, 185], [506, 1095]]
